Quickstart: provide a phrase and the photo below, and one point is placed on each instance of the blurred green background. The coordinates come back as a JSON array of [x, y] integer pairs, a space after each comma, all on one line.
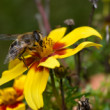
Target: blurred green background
[[18, 16]]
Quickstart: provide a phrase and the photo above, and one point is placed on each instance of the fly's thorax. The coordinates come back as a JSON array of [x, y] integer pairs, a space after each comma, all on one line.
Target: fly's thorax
[[27, 40]]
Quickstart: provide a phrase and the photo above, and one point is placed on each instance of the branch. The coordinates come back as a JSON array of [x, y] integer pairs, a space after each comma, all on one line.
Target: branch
[[94, 6], [43, 14], [41, 25], [56, 94], [62, 94]]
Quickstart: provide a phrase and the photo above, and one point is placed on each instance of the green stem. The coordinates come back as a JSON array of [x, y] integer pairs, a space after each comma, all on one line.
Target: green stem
[[62, 94], [58, 99], [91, 16], [78, 62]]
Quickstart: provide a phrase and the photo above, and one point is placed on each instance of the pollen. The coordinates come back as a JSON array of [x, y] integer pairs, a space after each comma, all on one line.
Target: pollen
[[46, 48]]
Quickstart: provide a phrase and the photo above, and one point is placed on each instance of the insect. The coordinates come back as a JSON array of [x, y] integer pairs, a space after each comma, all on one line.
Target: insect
[[21, 43]]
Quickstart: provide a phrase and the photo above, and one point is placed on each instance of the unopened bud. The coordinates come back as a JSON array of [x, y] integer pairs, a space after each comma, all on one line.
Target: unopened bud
[[60, 71], [69, 22], [94, 3]]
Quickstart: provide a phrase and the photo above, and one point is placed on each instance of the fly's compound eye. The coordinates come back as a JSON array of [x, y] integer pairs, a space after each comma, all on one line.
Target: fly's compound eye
[[37, 36]]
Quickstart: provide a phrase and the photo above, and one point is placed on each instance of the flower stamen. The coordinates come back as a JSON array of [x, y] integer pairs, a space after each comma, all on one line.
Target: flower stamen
[[45, 49]]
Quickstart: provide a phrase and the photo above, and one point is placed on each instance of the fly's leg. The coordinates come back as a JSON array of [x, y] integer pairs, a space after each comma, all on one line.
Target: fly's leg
[[21, 57], [24, 62]]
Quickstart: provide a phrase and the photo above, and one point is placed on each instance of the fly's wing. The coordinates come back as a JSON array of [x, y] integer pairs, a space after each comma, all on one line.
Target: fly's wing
[[8, 36], [7, 59], [13, 52], [11, 56]]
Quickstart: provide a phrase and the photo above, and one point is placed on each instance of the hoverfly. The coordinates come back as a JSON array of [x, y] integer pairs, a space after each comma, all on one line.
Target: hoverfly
[[21, 43]]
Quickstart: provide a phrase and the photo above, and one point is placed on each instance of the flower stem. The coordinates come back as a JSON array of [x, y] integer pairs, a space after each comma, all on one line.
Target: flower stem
[[58, 99], [78, 66], [43, 14], [62, 95], [77, 61], [91, 16]]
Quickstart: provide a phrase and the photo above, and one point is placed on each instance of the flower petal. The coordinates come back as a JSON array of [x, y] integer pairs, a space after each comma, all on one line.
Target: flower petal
[[13, 63], [18, 84], [12, 73], [20, 106], [63, 53], [39, 85], [35, 84], [75, 35], [2, 107], [28, 86], [49, 62], [57, 34]]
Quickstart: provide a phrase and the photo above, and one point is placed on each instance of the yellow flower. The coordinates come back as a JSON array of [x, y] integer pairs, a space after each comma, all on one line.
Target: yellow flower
[[18, 84], [44, 57], [11, 98]]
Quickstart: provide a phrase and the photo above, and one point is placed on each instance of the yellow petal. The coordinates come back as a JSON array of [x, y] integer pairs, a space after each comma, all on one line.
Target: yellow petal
[[57, 34], [28, 88], [19, 84], [20, 98], [35, 85], [20, 106], [75, 35], [50, 62], [13, 63], [1, 101], [7, 94], [39, 85], [12, 73], [63, 53]]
